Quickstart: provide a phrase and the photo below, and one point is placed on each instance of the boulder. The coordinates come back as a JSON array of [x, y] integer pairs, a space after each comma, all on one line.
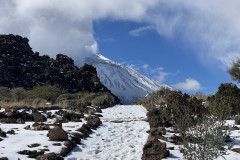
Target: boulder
[[154, 150], [94, 122], [57, 134]]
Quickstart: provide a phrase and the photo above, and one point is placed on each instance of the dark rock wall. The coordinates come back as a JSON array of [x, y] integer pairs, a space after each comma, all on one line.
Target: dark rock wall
[[21, 67]]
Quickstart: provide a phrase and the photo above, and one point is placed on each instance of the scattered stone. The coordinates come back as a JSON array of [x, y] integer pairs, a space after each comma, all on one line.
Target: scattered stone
[[57, 144], [227, 139], [11, 132], [49, 156], [41, 127], [2, 133], [154, 150], [4, 158], [57, 134], [170, 148], [27, 127], [31, 154], [27, 152], [34, 145]]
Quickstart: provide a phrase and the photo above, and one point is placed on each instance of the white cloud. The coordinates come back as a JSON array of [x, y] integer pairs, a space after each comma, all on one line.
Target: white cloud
[[212, 27], [140, 31], [189, 85], [145, 66], [66, 26], [159, 74]]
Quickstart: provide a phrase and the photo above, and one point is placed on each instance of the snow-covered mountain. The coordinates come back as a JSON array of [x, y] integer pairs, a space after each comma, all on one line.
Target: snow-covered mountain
[[123, 81]]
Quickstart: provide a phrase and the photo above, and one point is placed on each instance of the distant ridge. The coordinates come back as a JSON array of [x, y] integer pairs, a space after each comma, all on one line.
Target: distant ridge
[[123, 81]]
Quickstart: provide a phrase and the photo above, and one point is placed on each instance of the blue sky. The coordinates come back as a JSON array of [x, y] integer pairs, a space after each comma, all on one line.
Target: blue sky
[[149, 51], [186, 44]]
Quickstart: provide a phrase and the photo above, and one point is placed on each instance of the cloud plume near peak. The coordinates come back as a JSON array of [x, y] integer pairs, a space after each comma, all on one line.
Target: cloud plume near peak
[[66, 26]]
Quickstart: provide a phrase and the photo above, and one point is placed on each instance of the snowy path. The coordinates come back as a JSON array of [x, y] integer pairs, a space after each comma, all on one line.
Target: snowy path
[[121, 136]]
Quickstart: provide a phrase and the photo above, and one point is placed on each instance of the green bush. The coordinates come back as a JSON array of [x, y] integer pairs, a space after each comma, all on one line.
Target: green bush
[[49, 93], [18, 94], [39, 102], [226, 100], [5, 94], [105, 100]]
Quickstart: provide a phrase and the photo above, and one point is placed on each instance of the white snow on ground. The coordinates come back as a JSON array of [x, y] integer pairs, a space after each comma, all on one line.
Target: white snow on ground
[[115, 141], [20, 141]]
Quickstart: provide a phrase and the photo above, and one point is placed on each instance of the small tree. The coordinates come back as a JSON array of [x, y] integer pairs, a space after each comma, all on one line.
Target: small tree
[[234, 71]]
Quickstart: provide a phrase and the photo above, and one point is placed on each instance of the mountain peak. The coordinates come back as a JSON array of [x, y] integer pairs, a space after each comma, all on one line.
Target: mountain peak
[[123, 81], [99, 56]]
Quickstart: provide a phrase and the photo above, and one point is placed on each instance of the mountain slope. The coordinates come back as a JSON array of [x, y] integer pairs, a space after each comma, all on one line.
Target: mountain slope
[[124, 82]]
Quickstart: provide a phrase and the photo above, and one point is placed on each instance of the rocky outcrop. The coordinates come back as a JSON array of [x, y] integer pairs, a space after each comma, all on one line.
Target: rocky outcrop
[[21, 67]]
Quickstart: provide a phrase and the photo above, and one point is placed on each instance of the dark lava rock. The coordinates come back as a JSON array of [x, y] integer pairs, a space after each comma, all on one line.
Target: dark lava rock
[[157, 132], [227, 139], [176, 139], [57, 134], [31, 154], [21, 67], [158, 121], [8, 120], [76, 137], [57, 144], [49, 156], [34, 145], [69, 146], [2, 133], [38, 117], [94, 122], [27, 127], [85, 130], [11, 132], [154, 150]]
